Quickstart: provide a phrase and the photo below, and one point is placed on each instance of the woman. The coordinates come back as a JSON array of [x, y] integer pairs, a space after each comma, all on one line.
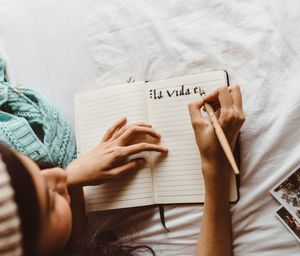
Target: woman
[[96, 167], [47, 224]]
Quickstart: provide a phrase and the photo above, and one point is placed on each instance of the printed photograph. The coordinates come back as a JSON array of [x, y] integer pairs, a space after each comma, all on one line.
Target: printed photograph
[[289, 222], [287, 192]]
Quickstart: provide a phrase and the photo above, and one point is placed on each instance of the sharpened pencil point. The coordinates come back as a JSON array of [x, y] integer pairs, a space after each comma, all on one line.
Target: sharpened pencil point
[[202, 92]]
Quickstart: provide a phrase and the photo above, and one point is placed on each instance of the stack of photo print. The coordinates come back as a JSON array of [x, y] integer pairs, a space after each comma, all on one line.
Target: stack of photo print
[[287, 192]]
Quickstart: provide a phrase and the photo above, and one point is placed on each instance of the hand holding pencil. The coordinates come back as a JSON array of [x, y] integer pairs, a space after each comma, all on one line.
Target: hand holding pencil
[[216, 136]]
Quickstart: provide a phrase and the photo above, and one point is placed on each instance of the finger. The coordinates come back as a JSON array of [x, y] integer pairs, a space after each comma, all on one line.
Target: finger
[[226, 107], [116, 126], [213, 97], [136, 131], [142, 123], [236, 96], [237, 104], [129, 166], [121, 131], [219, 97], [141, 147], [195, 113], [225, 98]]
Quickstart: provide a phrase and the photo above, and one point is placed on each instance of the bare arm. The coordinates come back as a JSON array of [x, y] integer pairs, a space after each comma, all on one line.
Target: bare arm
[[215, 236], [107, 161]]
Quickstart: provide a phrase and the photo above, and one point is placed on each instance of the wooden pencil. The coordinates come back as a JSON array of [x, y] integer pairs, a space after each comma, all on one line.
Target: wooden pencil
[[220, 133]]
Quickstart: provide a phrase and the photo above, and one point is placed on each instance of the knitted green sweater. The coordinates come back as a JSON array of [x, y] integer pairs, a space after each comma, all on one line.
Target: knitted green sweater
[[33, 126]]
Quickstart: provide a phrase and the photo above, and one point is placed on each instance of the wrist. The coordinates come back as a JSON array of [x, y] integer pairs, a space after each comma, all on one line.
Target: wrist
[[73, 177], [217, 180], [216, 171]]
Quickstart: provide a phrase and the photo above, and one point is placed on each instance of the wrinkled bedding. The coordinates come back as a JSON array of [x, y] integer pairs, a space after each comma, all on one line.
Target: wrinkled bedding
[[59, 47]]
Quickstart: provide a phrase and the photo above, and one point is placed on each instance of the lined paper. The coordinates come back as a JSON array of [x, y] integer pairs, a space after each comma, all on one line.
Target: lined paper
[[167, 178], [95, 112], [177, 178]]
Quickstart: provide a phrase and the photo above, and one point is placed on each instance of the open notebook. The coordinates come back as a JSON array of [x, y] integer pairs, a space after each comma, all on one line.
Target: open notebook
[[175, 178]]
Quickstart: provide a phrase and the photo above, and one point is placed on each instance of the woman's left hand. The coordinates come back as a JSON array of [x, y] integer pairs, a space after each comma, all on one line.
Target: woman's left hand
[[108, 160]]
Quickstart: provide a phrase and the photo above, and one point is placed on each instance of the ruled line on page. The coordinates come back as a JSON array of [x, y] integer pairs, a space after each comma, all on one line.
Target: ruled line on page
[[96, 112], [177, 177]]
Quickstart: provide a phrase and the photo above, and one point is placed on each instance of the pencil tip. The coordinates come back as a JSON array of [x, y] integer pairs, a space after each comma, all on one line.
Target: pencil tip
[[202, 92]]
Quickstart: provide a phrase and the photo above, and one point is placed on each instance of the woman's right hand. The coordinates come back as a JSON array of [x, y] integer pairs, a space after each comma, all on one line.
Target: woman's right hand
[[231, 117], [109, 160]]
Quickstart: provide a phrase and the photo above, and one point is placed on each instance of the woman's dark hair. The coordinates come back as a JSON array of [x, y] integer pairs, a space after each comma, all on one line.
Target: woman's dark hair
[[110, 233], [26, 199], [105, 240], [109, 237]]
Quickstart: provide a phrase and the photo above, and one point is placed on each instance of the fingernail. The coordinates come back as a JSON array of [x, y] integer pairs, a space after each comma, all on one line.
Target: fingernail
[[165, 149]]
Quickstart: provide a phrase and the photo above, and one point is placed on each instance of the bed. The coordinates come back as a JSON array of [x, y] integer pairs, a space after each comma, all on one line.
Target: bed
[[59, 47]]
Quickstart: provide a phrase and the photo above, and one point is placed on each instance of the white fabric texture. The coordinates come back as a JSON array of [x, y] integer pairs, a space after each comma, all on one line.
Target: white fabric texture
[[60, 47], [10, 234]]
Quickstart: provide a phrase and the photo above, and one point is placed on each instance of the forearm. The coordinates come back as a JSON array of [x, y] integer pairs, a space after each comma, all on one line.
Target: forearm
[[215, 237]]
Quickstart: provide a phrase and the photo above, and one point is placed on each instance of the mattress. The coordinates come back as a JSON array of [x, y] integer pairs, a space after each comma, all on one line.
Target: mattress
[[60, 47]]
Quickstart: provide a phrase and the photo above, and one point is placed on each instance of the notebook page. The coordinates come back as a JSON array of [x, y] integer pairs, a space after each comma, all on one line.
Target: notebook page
[[177, 177], [95, 112]]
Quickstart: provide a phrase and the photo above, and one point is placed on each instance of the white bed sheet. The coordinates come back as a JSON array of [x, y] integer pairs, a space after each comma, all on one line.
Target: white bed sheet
[[60, 47]]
